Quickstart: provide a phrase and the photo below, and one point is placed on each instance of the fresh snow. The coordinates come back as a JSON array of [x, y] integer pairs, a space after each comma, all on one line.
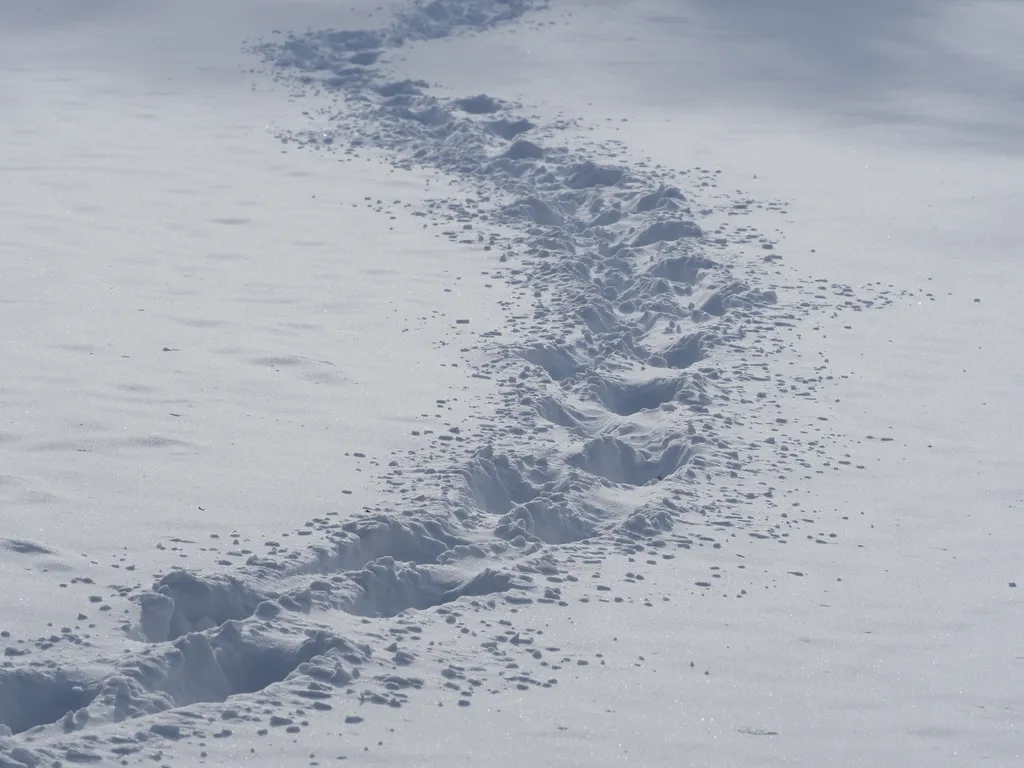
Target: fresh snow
[[498, 381]]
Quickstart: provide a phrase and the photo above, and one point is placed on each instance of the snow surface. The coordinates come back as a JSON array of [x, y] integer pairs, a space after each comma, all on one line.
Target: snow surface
[[492, 381]]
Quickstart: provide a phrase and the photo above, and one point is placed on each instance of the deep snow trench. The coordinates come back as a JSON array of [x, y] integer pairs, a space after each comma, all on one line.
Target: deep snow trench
[[634, 415]]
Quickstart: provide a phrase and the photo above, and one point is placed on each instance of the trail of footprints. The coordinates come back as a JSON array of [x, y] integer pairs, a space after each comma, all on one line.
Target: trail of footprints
[[638, 412]]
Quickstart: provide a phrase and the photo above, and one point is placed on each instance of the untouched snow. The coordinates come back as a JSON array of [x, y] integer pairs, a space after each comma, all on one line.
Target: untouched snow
[[501, 382]]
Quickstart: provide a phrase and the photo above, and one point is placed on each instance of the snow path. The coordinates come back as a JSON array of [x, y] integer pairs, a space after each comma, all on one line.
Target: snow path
[[614, 388], [637, 398]]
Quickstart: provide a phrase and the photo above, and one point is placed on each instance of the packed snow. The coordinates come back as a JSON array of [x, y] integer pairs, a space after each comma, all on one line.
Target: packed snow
[[503, 381]]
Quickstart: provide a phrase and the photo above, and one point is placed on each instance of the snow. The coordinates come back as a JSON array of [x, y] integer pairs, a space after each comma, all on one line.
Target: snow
[[499, 381]]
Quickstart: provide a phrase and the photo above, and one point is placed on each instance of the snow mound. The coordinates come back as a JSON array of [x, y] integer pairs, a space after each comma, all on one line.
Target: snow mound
[[665, 231], [619, 462], [389, 588], [589, 174], [627, 397], [24, 547], [481, 104], [509, 129], [524, 150]]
